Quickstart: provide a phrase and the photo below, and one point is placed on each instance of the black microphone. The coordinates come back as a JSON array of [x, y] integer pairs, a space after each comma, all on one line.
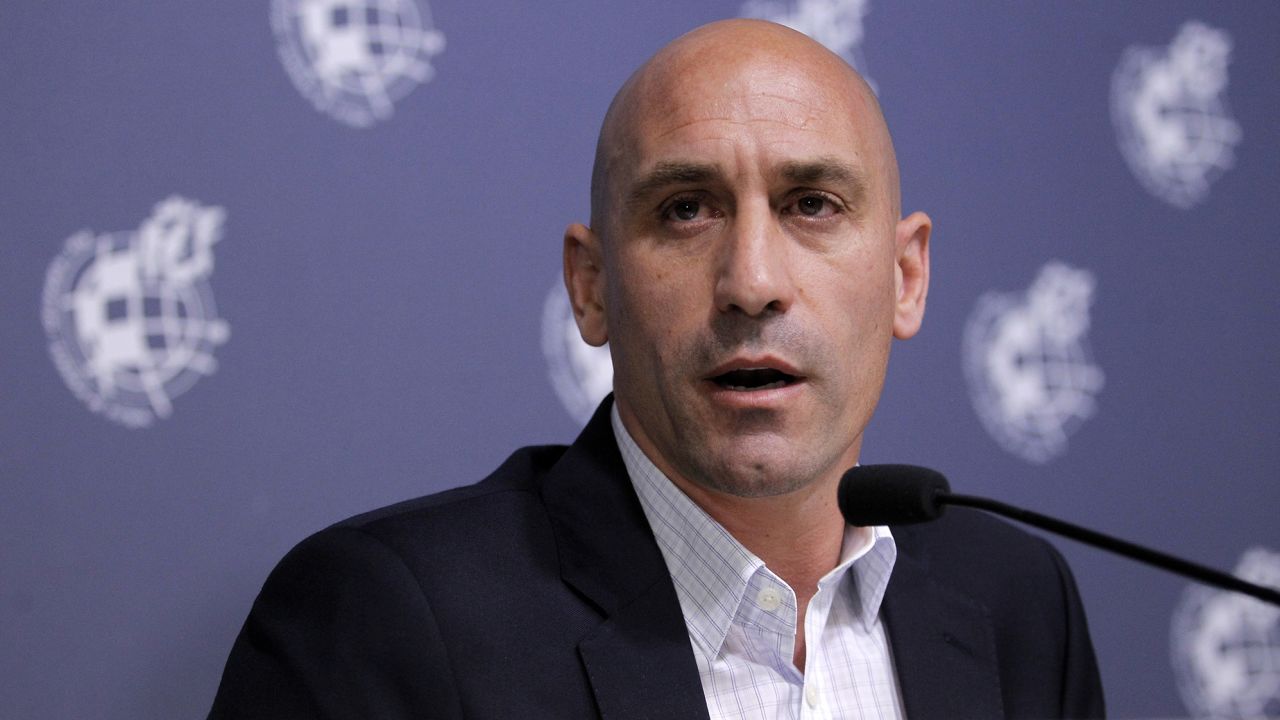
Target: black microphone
[[906, 494], [891, 495]]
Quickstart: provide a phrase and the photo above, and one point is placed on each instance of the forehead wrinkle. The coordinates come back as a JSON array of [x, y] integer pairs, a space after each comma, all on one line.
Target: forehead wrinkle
[[742, 109], [804, 124]]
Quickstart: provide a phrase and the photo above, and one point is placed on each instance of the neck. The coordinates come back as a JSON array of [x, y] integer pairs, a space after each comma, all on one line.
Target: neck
[[798, 535]]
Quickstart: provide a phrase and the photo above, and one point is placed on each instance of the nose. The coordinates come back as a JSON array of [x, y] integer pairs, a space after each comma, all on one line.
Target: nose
[[754, 273]]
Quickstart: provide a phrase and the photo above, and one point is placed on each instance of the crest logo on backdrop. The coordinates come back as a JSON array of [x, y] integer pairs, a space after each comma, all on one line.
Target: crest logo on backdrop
[[1170, 112], [130, 316], [1027, 361], [1226, 646], [581, 374], [353, 59], [837, 24]]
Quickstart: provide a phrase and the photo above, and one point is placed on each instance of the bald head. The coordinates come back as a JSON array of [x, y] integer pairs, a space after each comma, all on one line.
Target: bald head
[[688, 78], [747, 263]]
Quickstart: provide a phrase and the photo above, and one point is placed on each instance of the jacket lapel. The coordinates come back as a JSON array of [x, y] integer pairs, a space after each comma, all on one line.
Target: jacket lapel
[[943, 643], [638, 660]]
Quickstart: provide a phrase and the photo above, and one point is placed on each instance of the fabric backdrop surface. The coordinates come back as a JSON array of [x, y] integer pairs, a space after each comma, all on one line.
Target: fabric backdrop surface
[[270, 264]]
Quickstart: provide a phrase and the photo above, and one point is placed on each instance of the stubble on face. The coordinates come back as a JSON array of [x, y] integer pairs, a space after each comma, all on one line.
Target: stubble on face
[[733, 454]]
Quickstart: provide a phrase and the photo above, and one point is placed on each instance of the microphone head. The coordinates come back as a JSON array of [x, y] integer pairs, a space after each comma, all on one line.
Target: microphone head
[[891, 495]]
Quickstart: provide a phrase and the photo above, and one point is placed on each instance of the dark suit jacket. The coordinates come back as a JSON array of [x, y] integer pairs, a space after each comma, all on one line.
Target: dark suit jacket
[[541, 593]]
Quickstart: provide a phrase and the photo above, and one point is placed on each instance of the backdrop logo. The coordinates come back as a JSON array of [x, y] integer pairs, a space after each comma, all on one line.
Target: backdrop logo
[[129, 315], [354, 58], [1169, 108], [1226, 646], [837, 24], [581, 374], [1031, 375]]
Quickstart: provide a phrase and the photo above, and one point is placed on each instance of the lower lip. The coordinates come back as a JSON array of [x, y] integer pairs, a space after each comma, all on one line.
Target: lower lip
[[773, 398]]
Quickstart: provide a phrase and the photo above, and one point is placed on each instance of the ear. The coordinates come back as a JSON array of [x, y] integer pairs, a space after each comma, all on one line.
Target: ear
[[911, 274], [584, 279]]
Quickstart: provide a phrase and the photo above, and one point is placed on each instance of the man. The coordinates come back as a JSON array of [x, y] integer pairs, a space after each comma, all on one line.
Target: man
[[748, 263]]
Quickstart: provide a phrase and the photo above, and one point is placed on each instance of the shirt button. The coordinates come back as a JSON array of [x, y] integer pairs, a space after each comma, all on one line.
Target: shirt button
[[769, 599], [811, 696]]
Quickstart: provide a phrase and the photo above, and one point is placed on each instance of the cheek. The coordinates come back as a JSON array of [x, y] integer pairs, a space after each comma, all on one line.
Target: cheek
[[857, 310], [647, 315], [660, 288], [859, 284]]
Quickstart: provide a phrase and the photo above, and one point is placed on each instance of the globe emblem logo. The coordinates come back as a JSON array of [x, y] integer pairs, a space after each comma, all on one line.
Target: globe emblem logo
[[1170, 113], [581, 375], [1026, 358], [836, 24], [353, 59], [1226, 646], [130, 316]]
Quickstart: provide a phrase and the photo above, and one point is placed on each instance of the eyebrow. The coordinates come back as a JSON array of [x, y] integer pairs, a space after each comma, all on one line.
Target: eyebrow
[[666, 174], [825, 170]]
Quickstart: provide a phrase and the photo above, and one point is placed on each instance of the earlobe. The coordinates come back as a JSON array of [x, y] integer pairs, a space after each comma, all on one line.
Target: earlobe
[[911, 273], [584, 280]]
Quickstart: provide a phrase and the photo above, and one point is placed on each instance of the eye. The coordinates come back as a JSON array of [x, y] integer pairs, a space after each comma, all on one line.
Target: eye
[[688, 209], [814, 205], [811, 205], [685, 210]]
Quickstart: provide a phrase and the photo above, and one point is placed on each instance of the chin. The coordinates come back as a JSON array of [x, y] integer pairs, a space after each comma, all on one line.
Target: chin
[[758, 487], [743, 476]]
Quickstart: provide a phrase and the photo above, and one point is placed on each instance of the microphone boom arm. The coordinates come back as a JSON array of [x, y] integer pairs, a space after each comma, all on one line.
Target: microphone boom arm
[[1182, 567]]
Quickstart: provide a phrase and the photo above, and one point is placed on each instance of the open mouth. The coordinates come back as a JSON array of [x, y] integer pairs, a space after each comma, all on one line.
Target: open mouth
[[749, 379]]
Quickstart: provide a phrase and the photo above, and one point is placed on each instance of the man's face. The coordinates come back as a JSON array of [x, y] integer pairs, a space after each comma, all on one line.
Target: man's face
[[750, 278]]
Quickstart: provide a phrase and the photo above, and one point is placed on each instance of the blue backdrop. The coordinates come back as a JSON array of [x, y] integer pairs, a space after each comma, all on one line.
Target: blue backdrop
[[267, 265]]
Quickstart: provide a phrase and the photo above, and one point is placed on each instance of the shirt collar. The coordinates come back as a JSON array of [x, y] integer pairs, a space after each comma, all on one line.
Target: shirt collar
[[712, 571]]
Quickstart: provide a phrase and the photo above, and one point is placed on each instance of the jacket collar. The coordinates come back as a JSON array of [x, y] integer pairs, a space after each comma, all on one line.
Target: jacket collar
[[638, 660]]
